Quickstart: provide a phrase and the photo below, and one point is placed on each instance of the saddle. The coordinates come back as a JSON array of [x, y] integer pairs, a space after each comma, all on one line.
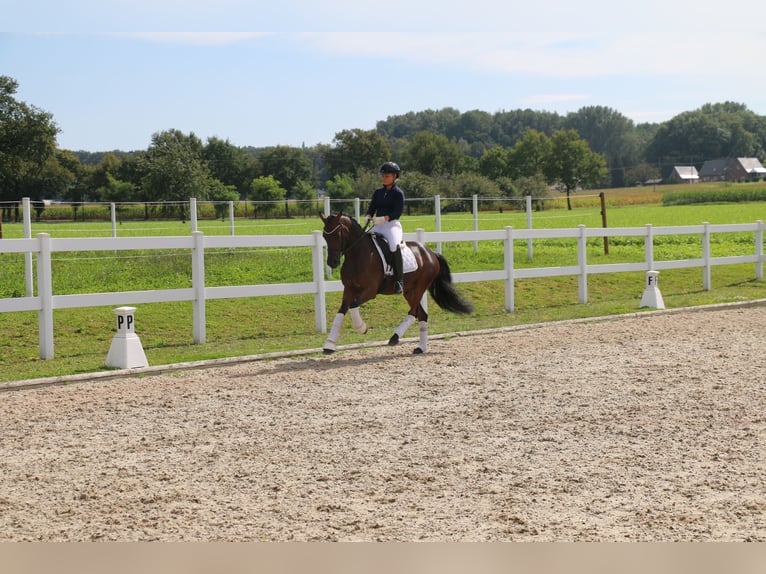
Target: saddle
[[409, 263]]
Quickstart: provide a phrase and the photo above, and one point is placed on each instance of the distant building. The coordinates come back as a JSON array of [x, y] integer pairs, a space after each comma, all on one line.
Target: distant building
[[747, 169], [684, 174], [732, 169]]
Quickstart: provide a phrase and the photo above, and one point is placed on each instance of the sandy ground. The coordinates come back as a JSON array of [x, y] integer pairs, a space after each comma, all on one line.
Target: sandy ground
[[646, 428]]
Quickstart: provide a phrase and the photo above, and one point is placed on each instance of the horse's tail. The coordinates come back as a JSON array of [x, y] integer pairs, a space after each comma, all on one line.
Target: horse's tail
[[444, 293]]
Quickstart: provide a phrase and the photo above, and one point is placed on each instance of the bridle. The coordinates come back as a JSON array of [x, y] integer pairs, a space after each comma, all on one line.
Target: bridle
[[339, 230]]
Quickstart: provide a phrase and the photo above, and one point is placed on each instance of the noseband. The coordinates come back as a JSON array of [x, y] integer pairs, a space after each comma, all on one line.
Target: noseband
[[339, 229]]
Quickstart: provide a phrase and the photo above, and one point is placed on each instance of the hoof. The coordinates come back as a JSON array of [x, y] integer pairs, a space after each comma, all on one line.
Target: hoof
[[394, 340], [328, 351], [417, 351]]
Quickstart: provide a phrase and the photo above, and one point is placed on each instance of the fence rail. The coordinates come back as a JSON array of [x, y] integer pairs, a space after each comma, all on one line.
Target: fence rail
[[42, 246]]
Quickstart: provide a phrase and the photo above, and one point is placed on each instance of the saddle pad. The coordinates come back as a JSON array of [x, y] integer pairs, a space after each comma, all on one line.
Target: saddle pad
[[409, 264]]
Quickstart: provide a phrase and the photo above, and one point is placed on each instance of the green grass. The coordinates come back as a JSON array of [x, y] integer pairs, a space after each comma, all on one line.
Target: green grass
[[270, 324]]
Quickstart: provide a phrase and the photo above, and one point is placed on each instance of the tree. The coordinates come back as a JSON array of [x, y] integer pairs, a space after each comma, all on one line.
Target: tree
[[641, 173], [116, 190], [529, 155], [341, 187], [356, 149], [27, 141], [221, 194], [573, 164], [174, 170], [266, 192], [470, 184], [228, 164], [713, 131], [494, 163], [289, 166], [434, 154], [610, 133]]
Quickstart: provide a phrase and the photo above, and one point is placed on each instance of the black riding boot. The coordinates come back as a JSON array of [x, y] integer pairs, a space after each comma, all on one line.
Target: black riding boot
[[398, 283]]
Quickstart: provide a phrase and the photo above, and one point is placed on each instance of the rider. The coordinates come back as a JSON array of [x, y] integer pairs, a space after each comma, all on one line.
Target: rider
[[385, 209]]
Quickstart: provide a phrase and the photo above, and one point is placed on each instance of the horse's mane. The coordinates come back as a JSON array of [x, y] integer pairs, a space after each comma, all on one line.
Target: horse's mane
[[356, 226]]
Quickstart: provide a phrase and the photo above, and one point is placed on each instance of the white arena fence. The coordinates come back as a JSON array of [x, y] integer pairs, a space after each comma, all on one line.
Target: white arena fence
[[45, 301]]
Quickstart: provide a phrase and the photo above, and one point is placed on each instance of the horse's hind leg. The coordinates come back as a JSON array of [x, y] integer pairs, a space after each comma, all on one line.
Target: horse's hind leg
[[423, 346], [401, 330], [422, 316]]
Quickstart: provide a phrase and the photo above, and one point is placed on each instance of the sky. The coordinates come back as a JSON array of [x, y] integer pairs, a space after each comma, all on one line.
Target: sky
[[362, 62]]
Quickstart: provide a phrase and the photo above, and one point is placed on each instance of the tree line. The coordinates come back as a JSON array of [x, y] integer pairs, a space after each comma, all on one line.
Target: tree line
[[445, 152]]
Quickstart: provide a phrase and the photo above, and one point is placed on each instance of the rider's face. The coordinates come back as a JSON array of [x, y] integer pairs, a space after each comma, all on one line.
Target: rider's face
[[388, 179]]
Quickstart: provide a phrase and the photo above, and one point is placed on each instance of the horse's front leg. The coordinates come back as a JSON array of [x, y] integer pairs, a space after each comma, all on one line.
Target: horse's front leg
[[357, 321], [330, 345], [352, 308]]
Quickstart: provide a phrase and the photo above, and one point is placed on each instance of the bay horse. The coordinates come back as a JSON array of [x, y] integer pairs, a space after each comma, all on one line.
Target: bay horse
[[363, 277]]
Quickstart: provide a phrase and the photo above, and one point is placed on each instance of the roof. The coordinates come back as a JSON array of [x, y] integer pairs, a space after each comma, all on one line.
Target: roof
[[686, 171], [751, 165], [714, 167]]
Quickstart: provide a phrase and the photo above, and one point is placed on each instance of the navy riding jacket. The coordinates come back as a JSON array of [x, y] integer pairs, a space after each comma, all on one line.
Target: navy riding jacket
[[387, 202]]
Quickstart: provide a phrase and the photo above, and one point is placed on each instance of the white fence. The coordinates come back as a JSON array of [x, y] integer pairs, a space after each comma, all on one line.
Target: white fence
[[46, 301]]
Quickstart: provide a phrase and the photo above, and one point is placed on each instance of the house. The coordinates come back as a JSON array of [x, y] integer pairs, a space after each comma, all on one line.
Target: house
[[732, 169], [747, 169], [714, 170], [684, 174]]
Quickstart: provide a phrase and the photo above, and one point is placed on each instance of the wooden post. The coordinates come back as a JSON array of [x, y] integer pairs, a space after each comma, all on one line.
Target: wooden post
[[603, 222]]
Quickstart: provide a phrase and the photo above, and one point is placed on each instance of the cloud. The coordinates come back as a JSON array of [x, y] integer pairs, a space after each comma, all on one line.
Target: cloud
[[193, 38], [543, 99]]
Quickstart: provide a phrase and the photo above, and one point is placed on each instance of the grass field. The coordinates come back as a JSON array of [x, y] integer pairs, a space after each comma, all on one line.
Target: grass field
[[259, 325]]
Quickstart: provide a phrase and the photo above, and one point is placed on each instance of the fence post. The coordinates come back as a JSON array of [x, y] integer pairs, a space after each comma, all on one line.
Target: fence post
[[602, 196], [356, 208], [649, 247], [475, 201], [231, 218], [320, 301], [438, 213], [193, 213], [326, 205], [706, 257], [28, 275], [582, 260], [510, 304], [113, 216], [45, 293], [198, 286], [529, 225], [759, 250]]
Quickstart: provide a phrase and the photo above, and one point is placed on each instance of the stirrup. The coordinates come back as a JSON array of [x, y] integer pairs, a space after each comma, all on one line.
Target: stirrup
[[398, 287]]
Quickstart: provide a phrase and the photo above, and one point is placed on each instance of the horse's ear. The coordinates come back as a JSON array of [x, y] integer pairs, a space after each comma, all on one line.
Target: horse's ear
[[321, 216]]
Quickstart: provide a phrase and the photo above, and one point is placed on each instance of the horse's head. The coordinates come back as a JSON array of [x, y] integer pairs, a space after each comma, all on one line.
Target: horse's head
[[337, 235]]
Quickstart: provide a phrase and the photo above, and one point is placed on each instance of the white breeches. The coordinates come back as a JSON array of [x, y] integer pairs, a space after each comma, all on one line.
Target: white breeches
[[392, 231]]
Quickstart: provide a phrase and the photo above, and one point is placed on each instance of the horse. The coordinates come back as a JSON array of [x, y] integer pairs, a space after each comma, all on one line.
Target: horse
[[364, 277]]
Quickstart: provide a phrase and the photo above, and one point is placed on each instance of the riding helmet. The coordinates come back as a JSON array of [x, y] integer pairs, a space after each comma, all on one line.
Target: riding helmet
[[390, 167]]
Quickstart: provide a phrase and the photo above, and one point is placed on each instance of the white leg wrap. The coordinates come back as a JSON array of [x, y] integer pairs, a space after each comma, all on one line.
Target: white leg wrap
[[404, 325], [424, 336], [357, 321], [332, 338]]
